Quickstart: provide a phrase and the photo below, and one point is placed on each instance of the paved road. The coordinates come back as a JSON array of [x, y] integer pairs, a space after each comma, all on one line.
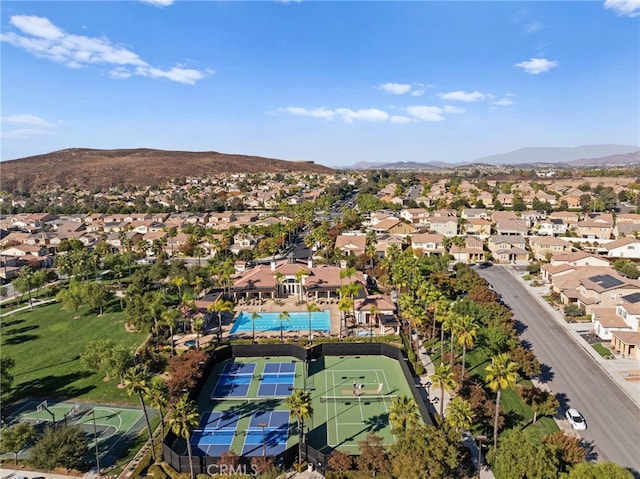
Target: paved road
[[576, 379]]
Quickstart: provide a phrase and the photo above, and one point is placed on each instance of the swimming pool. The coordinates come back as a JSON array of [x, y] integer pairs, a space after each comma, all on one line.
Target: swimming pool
[[298, 321]]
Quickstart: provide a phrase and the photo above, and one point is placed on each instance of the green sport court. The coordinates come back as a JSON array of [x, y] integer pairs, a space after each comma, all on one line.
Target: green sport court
[[115, 425], [351, 396]]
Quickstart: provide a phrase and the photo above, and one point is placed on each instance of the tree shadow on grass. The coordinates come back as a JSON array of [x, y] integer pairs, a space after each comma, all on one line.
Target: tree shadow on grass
[[511, 420], [23, 338], [8, 324], [58, 386], [75, 358], [24, 329]]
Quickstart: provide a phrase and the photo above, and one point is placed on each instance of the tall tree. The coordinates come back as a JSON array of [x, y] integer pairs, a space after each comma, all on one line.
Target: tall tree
[[466, 330], [136, 382], [60, 446], [459, 413], [403, 413], [284, 316], [501, 374], [311, 308], [442, 378], [6, 376], [300, 408], [15, 438], [220, 306], [158, 395], [169, 318], [197, 325], [73, 296], [540, 401], [183, 417], [255, 315]]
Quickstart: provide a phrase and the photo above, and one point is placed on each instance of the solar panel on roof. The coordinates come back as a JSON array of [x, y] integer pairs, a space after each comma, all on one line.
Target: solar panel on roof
[[632, 298], [606, 281]]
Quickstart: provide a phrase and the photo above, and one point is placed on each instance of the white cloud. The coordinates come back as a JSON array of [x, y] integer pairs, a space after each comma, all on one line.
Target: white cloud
[[463, 96], [395, 88], [317, 113], [401, 120], [506, 101], [624, 8], [453, 109], [371, 114], [417, 93], [47, 41], [26, 125], [532, 27], [158, 3], [426, 113], [536, 66]]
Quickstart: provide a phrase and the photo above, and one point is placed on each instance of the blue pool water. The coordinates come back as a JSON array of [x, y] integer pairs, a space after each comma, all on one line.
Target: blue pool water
[[298, 321]]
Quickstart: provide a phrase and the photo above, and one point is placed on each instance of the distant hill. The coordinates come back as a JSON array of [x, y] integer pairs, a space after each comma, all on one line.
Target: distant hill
[[581, 156], [535, 155], [89, 168]]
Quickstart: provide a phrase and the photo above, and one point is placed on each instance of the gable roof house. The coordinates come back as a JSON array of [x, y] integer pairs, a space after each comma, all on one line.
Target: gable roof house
[[623, 248], [351, 245], [429, 243], [446, 226], [605, 290], [598, 227], [471, 252], [626, 339], [541, 246], [512, 227], [550, 227], [508, 249], [477, 226]]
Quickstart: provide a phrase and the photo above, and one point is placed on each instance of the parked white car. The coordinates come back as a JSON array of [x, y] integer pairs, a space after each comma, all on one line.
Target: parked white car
[[575, 419]]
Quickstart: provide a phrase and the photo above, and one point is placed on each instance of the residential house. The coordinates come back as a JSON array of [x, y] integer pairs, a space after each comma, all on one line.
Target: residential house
[[596, 226], [623, 229], [393, 226], [508, 249], [428, 243], [550, 227], [604, 290], [475, 213], [628, 247], [511, 227], [543, 246], [477, 227], [415, 216], [378, 311], [626, 341], [351, 245], [471, 252], [444, 225]]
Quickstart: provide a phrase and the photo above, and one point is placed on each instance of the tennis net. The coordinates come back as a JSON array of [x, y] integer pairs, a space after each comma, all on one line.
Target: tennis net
[[361, 398]]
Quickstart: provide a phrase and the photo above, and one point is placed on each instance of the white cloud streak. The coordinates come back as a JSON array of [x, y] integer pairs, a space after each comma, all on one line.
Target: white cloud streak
[[463, 96], [25, 125], [535, 66], [624, 8], [47, 41], [426, 113], [395, 88], [158, 3]]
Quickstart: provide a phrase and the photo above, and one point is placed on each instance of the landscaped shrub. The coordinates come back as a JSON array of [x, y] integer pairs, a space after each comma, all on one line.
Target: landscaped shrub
[[573, 311]]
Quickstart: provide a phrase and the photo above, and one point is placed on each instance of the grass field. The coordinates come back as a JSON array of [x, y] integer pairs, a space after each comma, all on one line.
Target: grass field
[[338, 422], [46, 345]]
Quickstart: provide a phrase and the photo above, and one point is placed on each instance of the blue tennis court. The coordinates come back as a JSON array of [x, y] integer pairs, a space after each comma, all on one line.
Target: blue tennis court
[[234, 380], [267, 434], [215, 433], [277, 379]]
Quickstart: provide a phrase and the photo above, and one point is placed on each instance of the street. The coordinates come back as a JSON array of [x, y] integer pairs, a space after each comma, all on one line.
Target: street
[[575, 377]]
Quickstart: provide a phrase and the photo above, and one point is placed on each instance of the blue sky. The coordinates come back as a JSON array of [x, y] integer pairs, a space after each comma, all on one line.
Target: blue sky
[[328, 81]]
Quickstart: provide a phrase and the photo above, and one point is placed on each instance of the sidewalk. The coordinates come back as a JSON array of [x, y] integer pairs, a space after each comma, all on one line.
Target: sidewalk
[[433, 401], [619, 369], [8, 473]]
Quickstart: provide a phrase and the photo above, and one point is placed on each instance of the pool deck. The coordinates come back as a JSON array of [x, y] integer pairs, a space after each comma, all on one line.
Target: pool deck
[[290, 305]]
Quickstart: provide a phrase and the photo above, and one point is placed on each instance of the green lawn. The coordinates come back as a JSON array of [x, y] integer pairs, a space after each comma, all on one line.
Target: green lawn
[[46, 345], [602, 350]]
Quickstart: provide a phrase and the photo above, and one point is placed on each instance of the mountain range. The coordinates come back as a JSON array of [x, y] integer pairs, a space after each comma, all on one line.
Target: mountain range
[[581, 156]]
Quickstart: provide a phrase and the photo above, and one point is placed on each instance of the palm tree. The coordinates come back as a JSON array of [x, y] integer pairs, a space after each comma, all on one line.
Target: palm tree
[[299, 406], [158, 395], [374, 313], [442, 377], [179, 282], [221, 306], [311, 308], [197, 325], [255, 315], [501, 374], [344, 306], [169, 318], [447, 324], [299, 275], [403, 413], [183, 417], [136, 383], [466, 329], [284, 316], [459, 413]]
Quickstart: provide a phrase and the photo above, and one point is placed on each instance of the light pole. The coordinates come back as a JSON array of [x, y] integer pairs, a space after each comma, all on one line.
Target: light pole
[[95, 437], [480, 439], [264, 442]]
